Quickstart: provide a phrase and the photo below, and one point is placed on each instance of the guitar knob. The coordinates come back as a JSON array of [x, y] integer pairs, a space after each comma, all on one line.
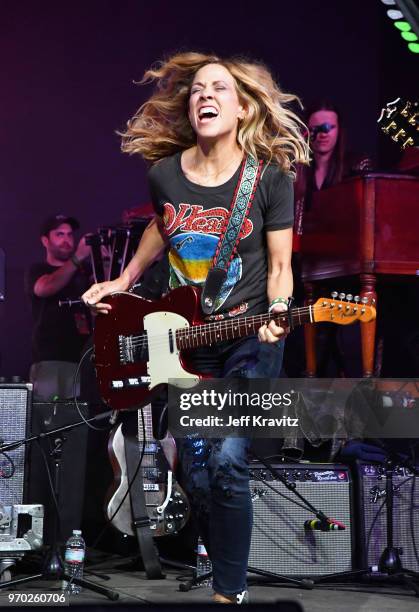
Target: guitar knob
[[356, 299], [334, 294], [342, 296], [349, 297]]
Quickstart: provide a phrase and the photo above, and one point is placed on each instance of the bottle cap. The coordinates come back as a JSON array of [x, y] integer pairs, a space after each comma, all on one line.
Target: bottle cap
[[77, 531]]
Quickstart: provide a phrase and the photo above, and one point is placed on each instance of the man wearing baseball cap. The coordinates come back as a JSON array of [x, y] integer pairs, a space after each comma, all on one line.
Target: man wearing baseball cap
[[59, 333]]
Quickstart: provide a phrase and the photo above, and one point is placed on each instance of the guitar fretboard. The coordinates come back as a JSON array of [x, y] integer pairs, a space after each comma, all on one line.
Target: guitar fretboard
[[149, 454], [231, 329]]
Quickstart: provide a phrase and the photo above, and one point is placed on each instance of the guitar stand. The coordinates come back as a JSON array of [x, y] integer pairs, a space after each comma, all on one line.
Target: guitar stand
[[53, 567], [141, 521]]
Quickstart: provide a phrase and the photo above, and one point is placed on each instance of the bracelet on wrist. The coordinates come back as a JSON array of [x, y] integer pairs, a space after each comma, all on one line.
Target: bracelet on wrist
[[74, 260], [279, 300]]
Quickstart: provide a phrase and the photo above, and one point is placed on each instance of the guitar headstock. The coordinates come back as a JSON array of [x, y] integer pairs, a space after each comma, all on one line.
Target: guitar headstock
[[400, 120], [342, 310]]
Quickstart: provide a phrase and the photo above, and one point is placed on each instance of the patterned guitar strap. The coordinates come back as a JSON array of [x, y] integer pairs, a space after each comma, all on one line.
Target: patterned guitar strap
[[232, 232]]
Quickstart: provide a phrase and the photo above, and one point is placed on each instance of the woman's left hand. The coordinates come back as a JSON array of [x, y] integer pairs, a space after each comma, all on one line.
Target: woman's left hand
[[272, 332]]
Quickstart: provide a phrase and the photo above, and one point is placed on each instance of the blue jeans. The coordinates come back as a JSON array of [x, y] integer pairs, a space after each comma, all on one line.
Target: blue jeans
[[215, 472]]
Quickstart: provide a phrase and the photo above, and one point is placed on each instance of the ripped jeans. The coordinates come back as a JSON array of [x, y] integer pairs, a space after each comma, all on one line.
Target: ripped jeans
[[215, 472]]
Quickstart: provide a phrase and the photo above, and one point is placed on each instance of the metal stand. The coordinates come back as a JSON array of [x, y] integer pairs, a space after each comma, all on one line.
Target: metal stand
[[390, 562], [305, 583], [390, 569], [53, 567]]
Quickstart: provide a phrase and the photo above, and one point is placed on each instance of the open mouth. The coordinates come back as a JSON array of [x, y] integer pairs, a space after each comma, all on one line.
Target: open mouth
[[207, 113]]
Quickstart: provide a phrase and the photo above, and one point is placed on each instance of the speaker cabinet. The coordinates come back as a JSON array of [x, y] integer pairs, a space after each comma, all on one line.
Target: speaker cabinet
[[15, 403], [47, 416], [372, 532], [280, 543]]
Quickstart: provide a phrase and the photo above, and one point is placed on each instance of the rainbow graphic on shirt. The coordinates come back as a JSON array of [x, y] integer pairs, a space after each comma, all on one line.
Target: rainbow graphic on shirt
[[190, 258]]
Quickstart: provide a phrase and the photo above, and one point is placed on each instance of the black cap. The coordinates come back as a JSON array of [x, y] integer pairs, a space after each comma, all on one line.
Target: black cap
[[55, 221]]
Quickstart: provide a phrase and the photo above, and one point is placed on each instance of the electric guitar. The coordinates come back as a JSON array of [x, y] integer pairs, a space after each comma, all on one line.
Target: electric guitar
[[400, 120], [140, 344], [166, 503]]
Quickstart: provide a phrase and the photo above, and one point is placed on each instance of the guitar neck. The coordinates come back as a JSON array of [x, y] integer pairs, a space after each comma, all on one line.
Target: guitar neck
[[148, 424], [231, 329]]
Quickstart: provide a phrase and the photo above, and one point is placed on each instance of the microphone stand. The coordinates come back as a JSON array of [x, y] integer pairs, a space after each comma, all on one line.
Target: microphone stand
[[390, 562], [53, 565], [305, 583], [390, 568], [291, 487]]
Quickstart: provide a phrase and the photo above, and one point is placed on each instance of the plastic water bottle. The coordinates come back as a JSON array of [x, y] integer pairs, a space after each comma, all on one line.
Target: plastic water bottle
[[203, 563], [75, 550]]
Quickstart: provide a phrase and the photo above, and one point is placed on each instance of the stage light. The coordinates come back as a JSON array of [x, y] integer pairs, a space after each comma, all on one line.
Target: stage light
[[409, 36], [393, 14], [405, 16], [403, 26]]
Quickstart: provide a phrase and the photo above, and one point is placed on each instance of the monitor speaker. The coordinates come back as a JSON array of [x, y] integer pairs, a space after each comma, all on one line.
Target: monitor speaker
[[372, 532], [15, 404], [280, 543]]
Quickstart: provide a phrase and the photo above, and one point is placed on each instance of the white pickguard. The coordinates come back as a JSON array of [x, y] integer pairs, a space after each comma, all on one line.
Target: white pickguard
[[163, 364]]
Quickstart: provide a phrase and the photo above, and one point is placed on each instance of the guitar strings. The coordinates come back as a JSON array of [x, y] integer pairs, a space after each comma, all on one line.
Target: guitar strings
[[192, 333], [216, 326]]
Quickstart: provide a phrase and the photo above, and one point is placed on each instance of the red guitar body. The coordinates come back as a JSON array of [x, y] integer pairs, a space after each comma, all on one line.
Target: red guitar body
[[126, 319]]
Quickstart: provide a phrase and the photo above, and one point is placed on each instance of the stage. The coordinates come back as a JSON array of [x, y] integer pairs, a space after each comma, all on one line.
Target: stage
[[133, 588]]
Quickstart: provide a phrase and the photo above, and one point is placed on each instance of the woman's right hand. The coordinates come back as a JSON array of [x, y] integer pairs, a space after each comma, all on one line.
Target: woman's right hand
[[93, 296]]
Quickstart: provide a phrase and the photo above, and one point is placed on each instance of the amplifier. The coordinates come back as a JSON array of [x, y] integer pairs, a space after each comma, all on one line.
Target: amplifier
[[372, 532], [280, 543], [47, 416], [15, 403]]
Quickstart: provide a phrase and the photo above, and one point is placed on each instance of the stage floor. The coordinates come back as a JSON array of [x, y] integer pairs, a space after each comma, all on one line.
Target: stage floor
[[133, 588]]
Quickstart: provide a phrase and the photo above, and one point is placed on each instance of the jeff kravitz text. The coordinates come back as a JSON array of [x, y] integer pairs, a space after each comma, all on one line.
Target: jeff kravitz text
[[242, 421]]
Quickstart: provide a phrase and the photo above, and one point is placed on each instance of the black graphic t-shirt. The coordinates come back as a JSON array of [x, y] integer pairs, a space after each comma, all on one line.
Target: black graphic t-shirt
[[59, 333], [193, 217]]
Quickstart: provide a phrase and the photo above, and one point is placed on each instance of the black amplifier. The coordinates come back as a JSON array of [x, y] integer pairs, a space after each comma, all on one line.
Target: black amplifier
[[372, 532], [280, 543], [47, 416]]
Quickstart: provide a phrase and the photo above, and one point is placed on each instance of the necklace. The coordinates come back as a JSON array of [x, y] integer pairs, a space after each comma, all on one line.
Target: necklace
[[204, 180]]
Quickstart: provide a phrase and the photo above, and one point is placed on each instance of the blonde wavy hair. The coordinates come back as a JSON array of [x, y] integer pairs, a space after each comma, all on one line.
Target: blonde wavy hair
[[269, 131]]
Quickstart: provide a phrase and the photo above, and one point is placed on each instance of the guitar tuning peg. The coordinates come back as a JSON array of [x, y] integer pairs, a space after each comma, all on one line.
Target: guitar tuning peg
[[356, 299], [342, 296], [334, 294], [364, 300], [349, 297], [373, 302]]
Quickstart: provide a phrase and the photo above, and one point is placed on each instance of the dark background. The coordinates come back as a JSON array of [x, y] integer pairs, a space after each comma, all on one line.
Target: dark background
[[67, 84]]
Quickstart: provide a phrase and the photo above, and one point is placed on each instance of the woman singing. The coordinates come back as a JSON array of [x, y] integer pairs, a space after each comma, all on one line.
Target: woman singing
[[205, 119]]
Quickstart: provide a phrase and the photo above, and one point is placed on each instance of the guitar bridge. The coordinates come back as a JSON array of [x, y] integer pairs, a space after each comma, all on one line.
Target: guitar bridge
[[132, 349], [126, 349]]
